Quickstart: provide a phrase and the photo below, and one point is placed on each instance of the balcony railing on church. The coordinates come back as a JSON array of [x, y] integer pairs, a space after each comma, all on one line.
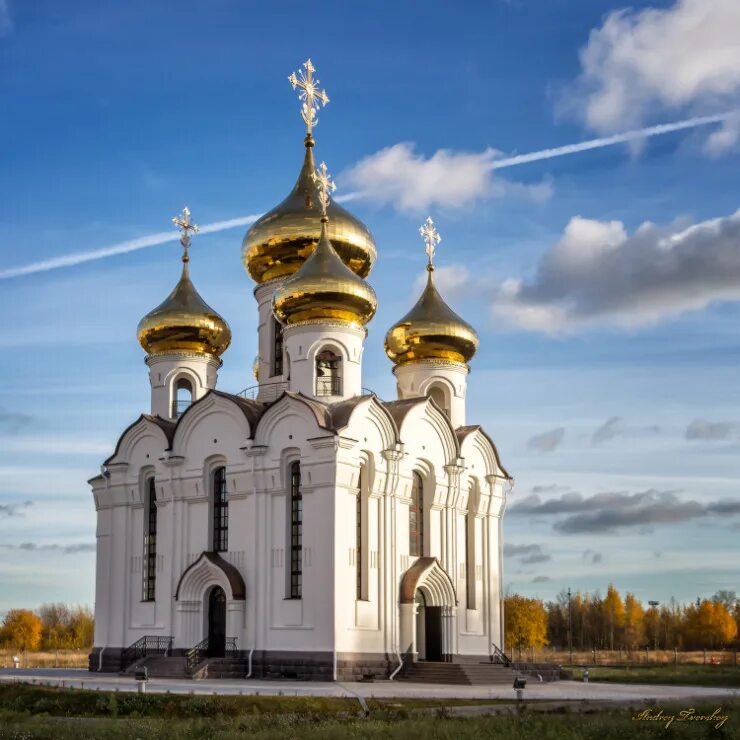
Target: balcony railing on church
[[329, 386], [179, 406]]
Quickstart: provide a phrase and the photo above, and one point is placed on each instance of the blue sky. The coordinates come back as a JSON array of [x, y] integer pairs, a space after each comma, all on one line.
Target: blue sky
[[607, 372]]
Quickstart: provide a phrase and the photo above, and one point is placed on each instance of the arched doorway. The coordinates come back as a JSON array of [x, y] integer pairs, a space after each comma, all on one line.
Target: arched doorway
[[428, 629], [217, 622], [427, 611]]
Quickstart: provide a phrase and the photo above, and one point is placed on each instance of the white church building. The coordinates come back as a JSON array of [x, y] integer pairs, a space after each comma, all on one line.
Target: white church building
[[305, 527]]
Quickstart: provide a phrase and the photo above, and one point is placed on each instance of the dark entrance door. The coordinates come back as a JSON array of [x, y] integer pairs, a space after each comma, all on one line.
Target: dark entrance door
[[433, 632], [217, 623]]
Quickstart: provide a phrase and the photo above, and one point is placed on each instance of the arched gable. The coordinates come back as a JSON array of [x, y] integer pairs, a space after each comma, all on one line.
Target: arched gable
[[475, 444], [433, 580], [210, 569], [426, 411], [159, 430], [292, 404], [213, 404], [348, 416]]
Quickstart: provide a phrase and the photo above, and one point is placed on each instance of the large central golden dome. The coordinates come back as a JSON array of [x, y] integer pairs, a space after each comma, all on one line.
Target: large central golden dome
[[282, 240]]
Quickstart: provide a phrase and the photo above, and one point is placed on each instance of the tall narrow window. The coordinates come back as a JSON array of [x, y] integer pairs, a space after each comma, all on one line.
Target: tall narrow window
[[328, 374], [359, 590], [277, 348], [470, 554], [150, 542], [416, 517], [296, 532], [220, 511]]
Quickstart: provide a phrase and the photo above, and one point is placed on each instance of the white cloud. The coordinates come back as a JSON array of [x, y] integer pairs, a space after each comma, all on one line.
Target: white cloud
[[6, 20], [599, 274], [547, 441], [712, 431], [401, 176], [638, 64]]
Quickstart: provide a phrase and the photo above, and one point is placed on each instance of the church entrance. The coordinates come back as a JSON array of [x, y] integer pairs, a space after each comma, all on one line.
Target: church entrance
[[217, 623], [428, 629]]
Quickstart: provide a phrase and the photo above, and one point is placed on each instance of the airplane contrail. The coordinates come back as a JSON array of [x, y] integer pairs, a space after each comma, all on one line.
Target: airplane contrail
[[584, 146], [162, 237]]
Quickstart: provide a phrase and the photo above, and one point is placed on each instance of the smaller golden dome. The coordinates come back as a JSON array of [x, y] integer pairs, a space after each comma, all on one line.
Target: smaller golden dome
[[431, 330], [278, 243], [324, 289], [184, 322]]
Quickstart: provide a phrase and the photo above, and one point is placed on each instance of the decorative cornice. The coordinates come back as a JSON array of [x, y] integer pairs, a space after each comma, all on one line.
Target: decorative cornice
[[254, 450], [460, 367], [172, 461], [179, 355], [329, 323]]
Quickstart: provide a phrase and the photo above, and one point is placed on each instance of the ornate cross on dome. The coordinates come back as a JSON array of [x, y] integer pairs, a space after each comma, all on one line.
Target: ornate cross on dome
[[310, 95], [324, 183], [186, 227], [431, 238]]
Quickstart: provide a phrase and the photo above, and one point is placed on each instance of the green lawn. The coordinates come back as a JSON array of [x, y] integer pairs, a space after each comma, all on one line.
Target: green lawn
[[28, 713], [680, 675]]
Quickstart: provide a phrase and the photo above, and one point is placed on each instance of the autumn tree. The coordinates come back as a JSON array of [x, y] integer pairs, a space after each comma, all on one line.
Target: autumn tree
[[525, 623], [634, 618], [613, 611], [21, 629], [709, 624], [81, 627]]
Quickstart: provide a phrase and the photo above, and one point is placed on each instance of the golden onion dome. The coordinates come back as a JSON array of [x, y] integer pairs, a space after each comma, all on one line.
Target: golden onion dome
[[431, 330], [282, 240], [184, 322], [324, 289]]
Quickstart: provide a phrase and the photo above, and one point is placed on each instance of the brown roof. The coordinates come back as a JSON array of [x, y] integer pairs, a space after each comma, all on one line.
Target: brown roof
[[168, 427], [236, 582]]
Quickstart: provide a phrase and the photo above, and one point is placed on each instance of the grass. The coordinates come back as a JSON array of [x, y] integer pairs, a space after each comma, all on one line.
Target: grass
[[523, 725], [680, 675]]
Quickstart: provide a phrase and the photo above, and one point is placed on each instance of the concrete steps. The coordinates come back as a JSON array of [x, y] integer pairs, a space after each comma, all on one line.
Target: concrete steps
[[159, 666], [462, 674], [222, 668]]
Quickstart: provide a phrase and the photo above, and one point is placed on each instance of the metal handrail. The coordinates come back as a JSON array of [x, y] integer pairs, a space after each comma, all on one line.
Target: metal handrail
[[180, 406], [196, 654], [145, 646], [331, 386], [265, 391], [498, 655]]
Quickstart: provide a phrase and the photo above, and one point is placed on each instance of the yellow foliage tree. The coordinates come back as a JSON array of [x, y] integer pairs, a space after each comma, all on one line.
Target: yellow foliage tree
[[709, 624], [525, 623], [613, 610], [21, 629], [634, 622]]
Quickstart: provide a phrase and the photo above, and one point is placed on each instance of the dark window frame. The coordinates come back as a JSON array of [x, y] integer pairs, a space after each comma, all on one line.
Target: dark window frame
[[220, 511], [277, 348], [149, 564], [295, 582], [416, 516]]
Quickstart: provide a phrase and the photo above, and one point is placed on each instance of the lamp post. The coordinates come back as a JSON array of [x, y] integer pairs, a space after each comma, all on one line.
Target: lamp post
[[654, 604], [570, 628]]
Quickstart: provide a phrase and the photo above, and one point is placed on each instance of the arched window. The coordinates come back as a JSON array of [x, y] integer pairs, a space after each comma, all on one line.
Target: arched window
[[295, 584], [439, 395], [220, 511], [277, 348], [150, 542], [183, 397], [416, 516], [328, 373]]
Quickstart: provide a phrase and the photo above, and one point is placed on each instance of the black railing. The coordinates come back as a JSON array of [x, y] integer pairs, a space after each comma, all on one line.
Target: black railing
[[266, 392], [498, 655], [147, 645], [179, 407], [331, 386], [196, 655]]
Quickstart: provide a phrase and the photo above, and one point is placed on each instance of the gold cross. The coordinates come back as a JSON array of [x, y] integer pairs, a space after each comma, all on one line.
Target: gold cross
[[186, 227], [324, 183], [431, 239], [309, 94]]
